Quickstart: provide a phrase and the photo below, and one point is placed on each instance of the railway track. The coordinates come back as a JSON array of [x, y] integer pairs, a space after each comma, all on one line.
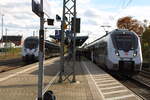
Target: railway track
[[15, 63], [138, 88], [145, 72], [11, 64], [137, 84]]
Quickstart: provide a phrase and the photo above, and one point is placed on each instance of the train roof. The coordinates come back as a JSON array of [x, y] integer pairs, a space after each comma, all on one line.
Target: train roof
[[116, 31], [31, 37], [46, 41], [51, 43], [123, 31]]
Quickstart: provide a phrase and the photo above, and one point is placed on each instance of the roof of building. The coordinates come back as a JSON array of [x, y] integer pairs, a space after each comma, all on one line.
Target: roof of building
[[11, 38], [79, 39]]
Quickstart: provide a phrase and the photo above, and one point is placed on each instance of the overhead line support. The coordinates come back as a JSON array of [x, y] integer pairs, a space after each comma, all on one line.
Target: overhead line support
[[69, 11]]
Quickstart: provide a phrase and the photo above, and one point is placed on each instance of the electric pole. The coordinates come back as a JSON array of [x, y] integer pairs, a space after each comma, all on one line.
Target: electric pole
[[6, 44], [2, 28], [6, 37], [69, 13], [33, 33]]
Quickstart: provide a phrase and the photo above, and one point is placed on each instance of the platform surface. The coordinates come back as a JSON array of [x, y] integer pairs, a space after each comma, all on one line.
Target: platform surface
[[92, 83]]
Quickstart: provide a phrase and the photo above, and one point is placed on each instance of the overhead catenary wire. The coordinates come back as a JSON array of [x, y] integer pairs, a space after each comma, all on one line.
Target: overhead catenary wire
[[124, 5]]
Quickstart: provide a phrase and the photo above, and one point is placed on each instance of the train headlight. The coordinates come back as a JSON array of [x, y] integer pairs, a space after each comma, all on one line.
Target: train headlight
[[135, 53], [117, 53]]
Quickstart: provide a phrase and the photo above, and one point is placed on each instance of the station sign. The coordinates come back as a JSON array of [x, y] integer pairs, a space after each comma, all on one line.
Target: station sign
[[36, 7]]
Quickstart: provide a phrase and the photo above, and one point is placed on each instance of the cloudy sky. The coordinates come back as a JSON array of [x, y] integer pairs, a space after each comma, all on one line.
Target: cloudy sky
[[20, 20]]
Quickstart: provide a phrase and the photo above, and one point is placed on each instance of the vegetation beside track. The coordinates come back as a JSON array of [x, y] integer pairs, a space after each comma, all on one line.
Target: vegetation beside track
[[9, 53]]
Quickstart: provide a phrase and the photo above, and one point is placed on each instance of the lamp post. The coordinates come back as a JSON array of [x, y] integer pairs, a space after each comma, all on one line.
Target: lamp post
[[6, 44], [2, 28], [104, 28], [41, 54]]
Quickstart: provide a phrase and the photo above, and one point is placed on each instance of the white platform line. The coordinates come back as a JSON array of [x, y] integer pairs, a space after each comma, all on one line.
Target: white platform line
[[112, 92], [17, 73], [112, 87], [102, 81], [101, 75], [120, 97], [115, 83], [94, 81]]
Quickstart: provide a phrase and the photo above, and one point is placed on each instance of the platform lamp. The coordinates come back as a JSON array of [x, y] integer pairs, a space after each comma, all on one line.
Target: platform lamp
[[58, 18]]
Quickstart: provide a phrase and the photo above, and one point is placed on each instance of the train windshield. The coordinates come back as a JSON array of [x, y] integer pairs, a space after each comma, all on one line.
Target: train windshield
[[125, 42], [31, 43]]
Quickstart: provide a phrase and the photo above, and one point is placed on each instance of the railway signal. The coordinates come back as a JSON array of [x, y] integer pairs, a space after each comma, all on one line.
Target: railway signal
[[77, 25]]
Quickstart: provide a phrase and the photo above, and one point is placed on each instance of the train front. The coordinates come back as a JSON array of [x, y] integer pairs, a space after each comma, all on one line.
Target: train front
[[30, 49], [127, 56]]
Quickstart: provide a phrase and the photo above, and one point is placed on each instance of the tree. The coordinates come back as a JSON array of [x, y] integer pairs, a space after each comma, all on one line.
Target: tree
[[146, 44], [131, 24]]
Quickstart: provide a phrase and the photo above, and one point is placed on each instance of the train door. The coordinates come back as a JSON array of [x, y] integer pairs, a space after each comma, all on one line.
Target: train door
[[92, 55]]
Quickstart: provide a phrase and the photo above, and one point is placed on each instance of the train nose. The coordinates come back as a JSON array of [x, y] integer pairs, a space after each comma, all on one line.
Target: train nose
[[126, 66], [29, 57], [30, 51]]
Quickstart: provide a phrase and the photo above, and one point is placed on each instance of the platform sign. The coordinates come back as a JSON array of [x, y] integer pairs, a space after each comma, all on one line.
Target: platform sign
[[36, 7], [58, 34], [69, 33]]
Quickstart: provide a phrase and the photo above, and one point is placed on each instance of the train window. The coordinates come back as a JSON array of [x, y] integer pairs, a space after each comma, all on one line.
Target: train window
[[125, 42], [31, 43], [97, 45]]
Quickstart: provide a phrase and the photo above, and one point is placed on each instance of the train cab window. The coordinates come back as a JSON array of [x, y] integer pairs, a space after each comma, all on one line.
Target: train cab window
[[125, 42], [31, 43]]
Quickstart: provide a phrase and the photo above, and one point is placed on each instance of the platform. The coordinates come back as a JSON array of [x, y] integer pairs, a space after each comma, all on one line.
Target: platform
[[92, 83]]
